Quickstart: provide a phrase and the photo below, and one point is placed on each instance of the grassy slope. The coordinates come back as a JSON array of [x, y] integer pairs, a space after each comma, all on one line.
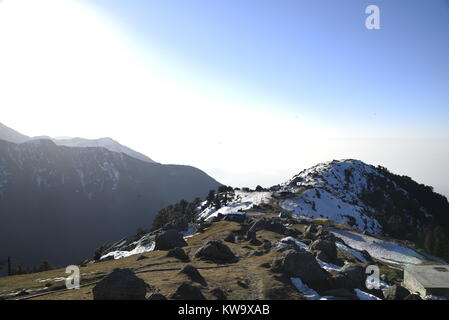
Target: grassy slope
[[161, 272]]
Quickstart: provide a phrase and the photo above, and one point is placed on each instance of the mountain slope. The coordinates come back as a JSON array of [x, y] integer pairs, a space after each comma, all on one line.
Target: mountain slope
[[11, 135], [107, 143], [58, 203]]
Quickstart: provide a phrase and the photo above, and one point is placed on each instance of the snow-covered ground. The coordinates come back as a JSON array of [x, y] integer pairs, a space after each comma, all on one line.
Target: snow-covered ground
[[144, 244], [138, 249], [335, 190], [238, 204], [318, 203], [382, 250], [309, 294]]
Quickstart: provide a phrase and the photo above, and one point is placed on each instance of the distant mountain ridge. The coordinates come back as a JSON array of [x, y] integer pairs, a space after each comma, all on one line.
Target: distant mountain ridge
[[58, 203], [107, 143], [14, 136]]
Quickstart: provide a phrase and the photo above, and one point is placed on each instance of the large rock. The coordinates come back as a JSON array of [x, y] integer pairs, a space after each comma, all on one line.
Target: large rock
[[350, 276], [216, 251], [178, 253], [396, 292], [219, 294], [169, 239], [273, 225], [120, 284], [301, 264], [193, 274], [327, 247], [186, 291]]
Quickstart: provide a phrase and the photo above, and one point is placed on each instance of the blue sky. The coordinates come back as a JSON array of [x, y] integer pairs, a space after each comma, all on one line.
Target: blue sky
[[309, 53], [250, 91]]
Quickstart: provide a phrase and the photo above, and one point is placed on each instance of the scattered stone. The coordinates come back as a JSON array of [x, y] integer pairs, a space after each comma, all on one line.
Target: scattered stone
[[120, 284], [265, 265], [186, 291], [193, 274], [219, 294], [396, 292], [242, 284], [266, 245], [178, 253], [256, 253], [157, 296], [217, 252], [169, 239]]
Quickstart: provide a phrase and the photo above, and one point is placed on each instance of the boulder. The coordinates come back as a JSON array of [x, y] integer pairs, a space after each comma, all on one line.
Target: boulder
[[258, 225], [327, 247], [178, 253], [291, 232], [169, 239], [120, 284], [323, 234], [193, 274], [396, 292], [186, 291], [216, 251], [219, 294], [266, 245], [301, 264], [322, 256], [350, 276]]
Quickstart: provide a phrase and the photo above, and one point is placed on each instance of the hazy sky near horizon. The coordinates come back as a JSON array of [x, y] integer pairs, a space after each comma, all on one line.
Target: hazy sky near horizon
[[249, 91]]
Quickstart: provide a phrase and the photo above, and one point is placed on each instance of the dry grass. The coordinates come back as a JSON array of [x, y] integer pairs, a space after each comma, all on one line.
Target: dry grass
[[246, 279]]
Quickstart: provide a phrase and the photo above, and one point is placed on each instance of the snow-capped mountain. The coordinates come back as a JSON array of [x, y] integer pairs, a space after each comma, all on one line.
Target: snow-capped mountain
[[351, 192], [361, 195], [107, 143], [334, 190], [8, 134], [58, 203]]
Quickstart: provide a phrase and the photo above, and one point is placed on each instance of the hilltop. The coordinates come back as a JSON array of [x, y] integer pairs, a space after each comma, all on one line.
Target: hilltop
[[311, 237]]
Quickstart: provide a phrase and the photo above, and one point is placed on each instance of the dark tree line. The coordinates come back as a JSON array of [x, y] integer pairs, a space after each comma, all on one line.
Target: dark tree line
[[402, 214], [20, 269], [179, 215]]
